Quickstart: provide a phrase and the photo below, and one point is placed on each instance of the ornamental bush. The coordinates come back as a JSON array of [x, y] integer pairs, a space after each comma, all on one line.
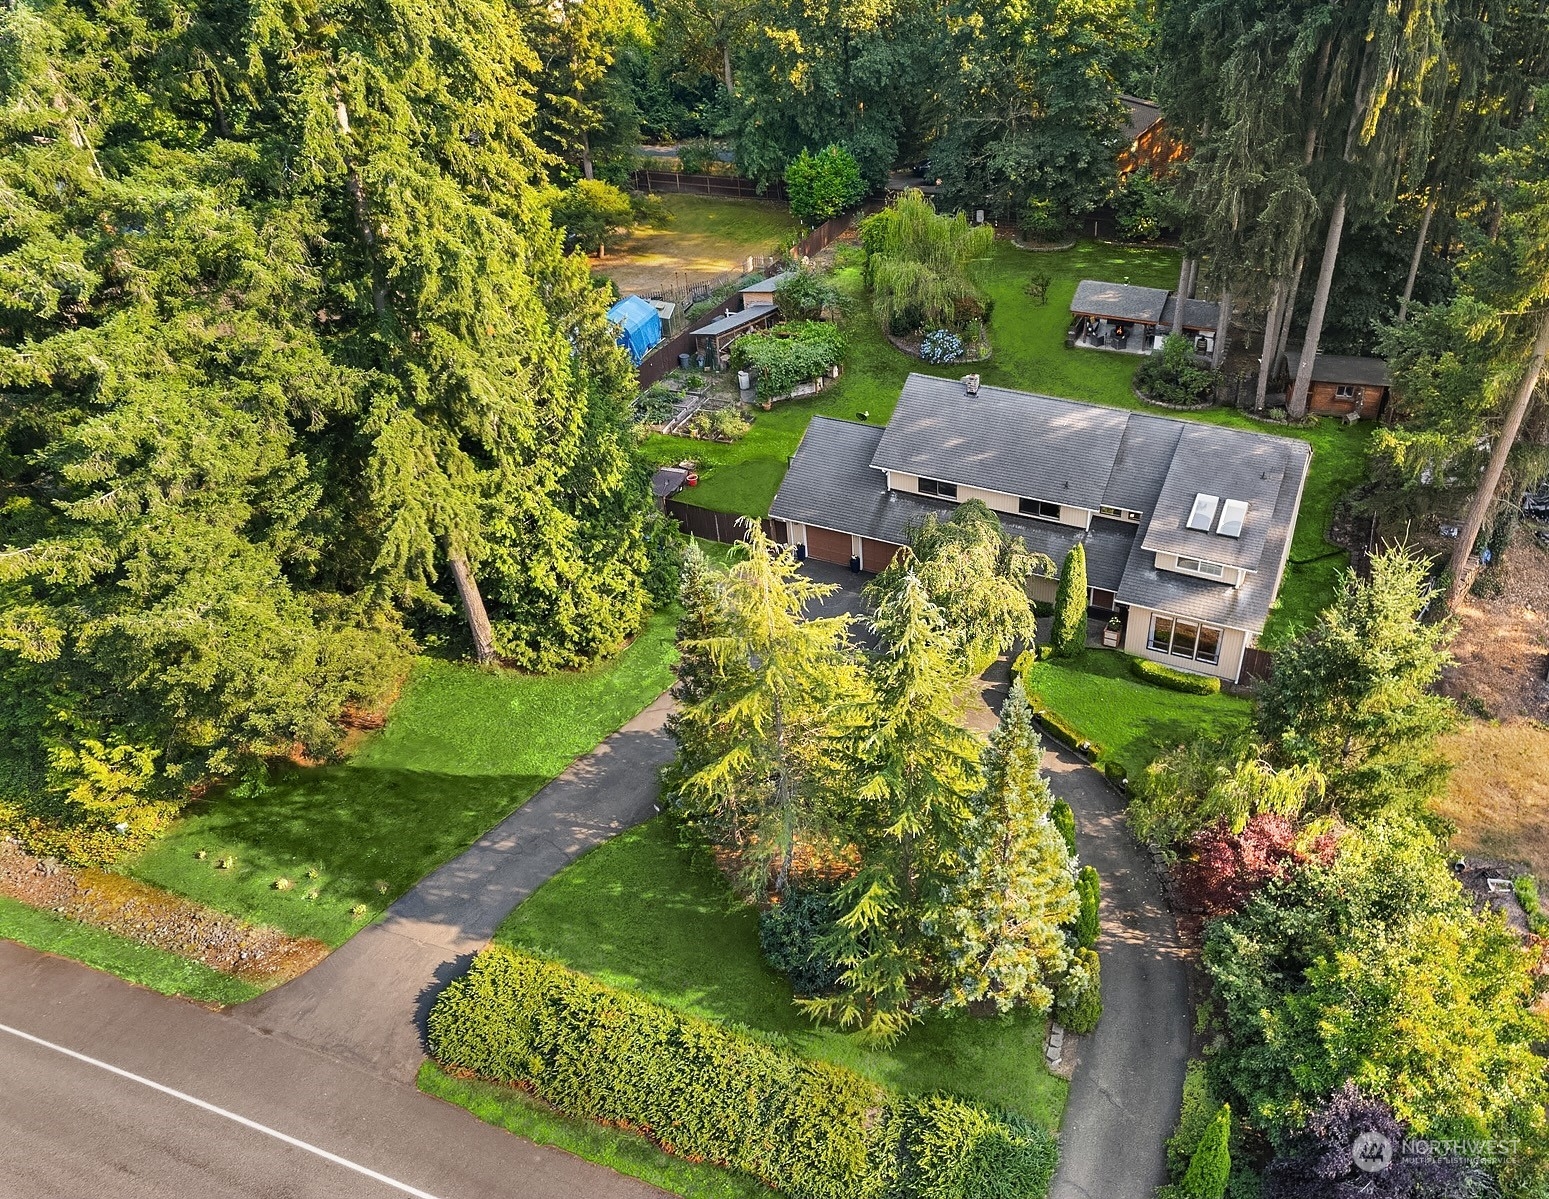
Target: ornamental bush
[[1068, 636], [703, 1091], [1065, 820], [823, 185], [940, 346], [1174, 376], [1210, 1168], [791, 934], [1090, 889], [1080, 1004], [1174, 680]]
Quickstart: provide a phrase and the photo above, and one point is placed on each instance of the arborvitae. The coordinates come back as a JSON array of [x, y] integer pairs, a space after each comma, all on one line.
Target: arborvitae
[[1210, 1169], [1068, 635], [1006, 907]]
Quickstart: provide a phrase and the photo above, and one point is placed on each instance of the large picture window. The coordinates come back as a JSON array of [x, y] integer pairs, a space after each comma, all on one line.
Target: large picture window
[[1042, 509], [1185, 639], [947, 491], [1198, 566]]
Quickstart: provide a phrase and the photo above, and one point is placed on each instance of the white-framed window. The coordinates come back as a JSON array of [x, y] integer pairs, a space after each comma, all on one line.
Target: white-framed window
[[1113, 513], [1179, 638], [1345, 391], [947, 491], [1041, 509], [1198, 566]]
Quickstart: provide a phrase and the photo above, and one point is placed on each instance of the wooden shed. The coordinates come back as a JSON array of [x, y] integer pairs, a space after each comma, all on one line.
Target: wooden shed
[[1342, 385]]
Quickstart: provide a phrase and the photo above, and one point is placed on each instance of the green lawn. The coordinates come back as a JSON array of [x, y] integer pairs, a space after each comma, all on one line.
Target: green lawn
[[1030, 354], [1131, 720], [635, 1156], [463, 748], [643, 912], [154, 968]]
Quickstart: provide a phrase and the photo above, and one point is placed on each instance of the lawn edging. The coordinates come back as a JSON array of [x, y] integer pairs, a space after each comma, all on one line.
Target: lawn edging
[[157, 969], [711, 1092]]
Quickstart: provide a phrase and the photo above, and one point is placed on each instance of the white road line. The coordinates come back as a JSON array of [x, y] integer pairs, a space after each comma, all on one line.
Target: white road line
[[220, 1111]]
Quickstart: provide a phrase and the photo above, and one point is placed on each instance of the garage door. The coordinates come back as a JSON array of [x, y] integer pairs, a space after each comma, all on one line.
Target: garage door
[[877, 555], [827, 546]]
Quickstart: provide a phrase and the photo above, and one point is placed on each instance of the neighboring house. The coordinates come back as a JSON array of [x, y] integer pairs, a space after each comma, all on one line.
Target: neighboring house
[[1148, 144], [1342, 385], [1187, 526], [1136, 320], [639, 325]]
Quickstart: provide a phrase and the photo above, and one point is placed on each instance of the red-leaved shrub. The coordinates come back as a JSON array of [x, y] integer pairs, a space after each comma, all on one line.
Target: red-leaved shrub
[[1223, 869]]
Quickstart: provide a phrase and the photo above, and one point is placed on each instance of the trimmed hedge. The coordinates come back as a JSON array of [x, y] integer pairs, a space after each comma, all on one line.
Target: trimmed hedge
[[1090, 889], [1080, 1012], [1174, 680], [1062, 731], [704, 1091]]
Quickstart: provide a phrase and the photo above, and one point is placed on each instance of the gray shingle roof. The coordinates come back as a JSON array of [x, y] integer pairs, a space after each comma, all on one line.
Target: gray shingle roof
[[769, 284], [1197, 314], [1005, 440], [1342, 368], [736, 320], [1140, 115], [1119, 301], [1140, 467]]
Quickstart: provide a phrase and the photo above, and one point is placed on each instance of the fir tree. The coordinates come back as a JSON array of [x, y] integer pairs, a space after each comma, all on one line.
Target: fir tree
[[1210, 1169], [1068, 635], [1007, 905]]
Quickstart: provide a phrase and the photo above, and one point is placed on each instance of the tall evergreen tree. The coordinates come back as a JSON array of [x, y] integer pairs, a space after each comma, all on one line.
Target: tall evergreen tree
[[1210, 1169], [1068, 636], [1009, 902], [920, 771]]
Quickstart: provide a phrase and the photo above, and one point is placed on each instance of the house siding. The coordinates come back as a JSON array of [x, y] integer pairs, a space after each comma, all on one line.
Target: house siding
[[996, 501], [1233, 642], [1322, 401], [1230, 577]]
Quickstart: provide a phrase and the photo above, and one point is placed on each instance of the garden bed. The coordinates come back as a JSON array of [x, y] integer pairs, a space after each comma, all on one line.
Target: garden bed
[[264, 957], [971, 354]]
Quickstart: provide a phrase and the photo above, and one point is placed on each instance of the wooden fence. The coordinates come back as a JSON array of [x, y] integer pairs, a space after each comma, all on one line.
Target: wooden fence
[[725, 187], [1256, 665], [718, 526], [823, 236]]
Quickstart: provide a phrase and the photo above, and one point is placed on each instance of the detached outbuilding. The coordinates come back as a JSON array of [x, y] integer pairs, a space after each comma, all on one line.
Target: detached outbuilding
[[639, 325], [1343, 385]]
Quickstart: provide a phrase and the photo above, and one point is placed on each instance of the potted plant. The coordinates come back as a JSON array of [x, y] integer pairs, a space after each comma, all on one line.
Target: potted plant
[[1111, 633]]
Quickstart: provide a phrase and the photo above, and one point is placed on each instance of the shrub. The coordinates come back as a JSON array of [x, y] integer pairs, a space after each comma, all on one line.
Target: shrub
[[703, 1091], [590, 210], [727, 424], [697, 157], [1525, 888], [823, 185], [1198, 1110], [1042, 220], [1043, 608], [789, 355], [1115, 773], [1090, 889], [1211, 1165], [1174, 680], [1066, 733], [791, 934], [1080, 1003], [941, 345], [1140, 208], [1065, 820], [1070, 602], [1023, 662], [1174, 376], [807, 295], [1037, 287], [1225, 869]]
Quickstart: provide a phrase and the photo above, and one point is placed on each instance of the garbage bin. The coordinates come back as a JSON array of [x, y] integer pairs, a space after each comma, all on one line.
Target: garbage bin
[[744, 380], [683, 361]]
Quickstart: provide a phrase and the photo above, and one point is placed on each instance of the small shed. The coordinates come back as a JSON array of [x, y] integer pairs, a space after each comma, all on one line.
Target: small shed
[[639, 325], [668, 481], [1201, 318], [1116, 316], [763, 292], [1342, 385], [668, 311], [713, 341]]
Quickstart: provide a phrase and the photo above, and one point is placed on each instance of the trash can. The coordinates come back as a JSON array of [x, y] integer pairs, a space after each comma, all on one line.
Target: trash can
[[683, 361], [744, 380]]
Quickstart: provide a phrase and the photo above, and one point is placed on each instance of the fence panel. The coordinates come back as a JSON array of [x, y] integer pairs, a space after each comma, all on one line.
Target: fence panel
[[724, 527], [1257, 664], [725, 187]]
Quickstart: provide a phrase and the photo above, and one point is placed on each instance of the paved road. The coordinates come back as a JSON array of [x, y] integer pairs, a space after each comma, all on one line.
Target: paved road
[[366, 1004], [1125, 1094], [70, 1128]]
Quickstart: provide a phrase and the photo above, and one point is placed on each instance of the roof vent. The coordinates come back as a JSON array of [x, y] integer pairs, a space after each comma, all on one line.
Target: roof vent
[[1204, 512], [971, 384]]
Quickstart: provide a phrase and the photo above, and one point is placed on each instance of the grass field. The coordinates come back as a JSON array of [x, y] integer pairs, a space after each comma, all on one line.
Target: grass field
[[700, 239], [154, 968], [1131, 720], [1030, 354], [1498, 795], [629, 1154], [463, 748], [643, 912]]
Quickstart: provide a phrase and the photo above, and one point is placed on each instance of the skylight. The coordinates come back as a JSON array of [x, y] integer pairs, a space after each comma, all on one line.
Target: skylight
[[1204, 512], [1233, 513]]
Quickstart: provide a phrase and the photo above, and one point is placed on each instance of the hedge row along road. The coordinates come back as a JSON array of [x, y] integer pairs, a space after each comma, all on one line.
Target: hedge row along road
[[338, 1049]]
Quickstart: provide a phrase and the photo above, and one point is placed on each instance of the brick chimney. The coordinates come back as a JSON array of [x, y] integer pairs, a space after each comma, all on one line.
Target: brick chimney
[[971, 384]]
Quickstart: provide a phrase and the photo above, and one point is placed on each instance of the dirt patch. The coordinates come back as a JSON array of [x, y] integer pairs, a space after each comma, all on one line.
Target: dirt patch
[[262, 956], [1498, 795], [1502, 646]]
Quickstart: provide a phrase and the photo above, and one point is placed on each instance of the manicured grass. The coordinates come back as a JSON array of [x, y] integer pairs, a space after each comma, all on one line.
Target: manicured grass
[[1029, 354], [154, 968], [701, 238], [464, 747], [629, 1154], [1132, 721], [644, 912]]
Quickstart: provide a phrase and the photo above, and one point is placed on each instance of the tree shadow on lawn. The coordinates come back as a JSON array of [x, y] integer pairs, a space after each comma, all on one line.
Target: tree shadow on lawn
[[369, 833]]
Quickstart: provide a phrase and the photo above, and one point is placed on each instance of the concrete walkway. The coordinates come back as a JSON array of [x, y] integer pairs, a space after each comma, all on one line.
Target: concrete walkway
[[1125, 1094], [366, 1004]]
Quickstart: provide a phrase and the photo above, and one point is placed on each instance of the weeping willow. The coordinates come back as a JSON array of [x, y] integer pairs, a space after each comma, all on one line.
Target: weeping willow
[[919, 265]]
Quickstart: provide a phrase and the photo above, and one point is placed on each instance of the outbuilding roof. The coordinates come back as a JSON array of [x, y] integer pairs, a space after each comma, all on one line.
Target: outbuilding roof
[[1119, 301], [769, 284], [1342, 369], [1198, 315], [735, 320], [1139, 116]]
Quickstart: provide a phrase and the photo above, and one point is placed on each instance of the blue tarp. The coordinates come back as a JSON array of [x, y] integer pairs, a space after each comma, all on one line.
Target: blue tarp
[[640, 326]]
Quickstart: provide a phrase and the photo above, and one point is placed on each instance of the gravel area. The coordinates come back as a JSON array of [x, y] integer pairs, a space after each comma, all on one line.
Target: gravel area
[[258, 955]]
